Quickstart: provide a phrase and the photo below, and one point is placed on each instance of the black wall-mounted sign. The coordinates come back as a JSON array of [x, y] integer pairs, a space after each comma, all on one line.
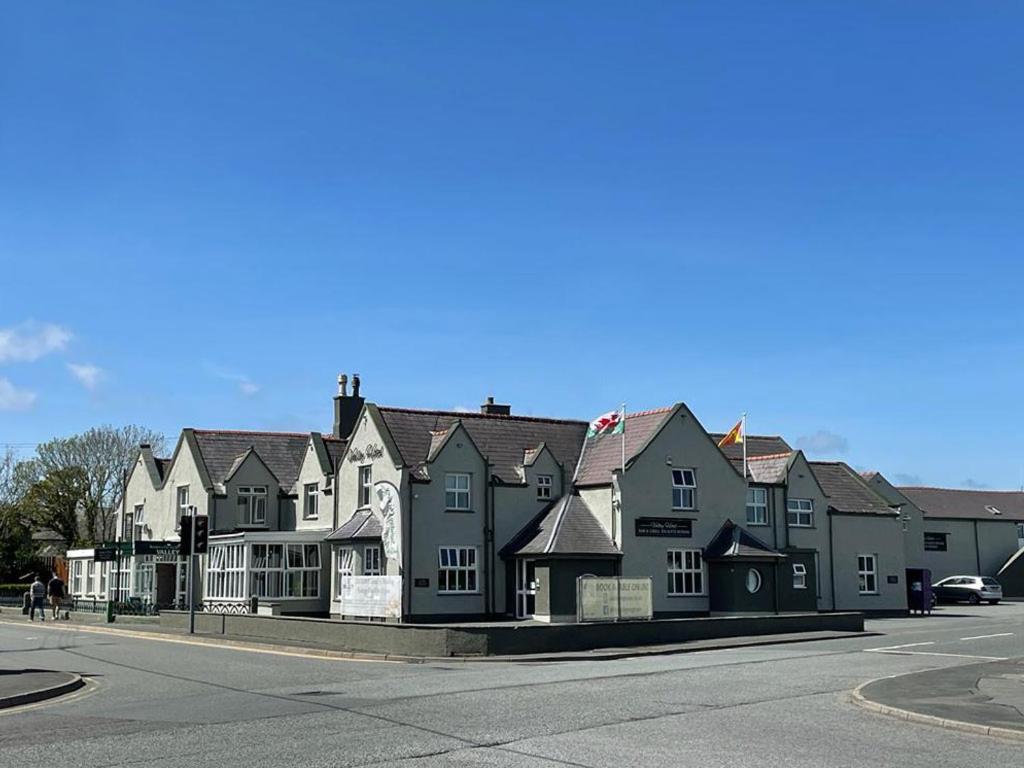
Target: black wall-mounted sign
[[936, 542], [664, 526], [421, 582], [892, 579], [105, 554]]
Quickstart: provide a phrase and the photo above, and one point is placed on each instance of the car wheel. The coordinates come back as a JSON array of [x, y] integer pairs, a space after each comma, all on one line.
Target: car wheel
[[974, 600], [993, 602]]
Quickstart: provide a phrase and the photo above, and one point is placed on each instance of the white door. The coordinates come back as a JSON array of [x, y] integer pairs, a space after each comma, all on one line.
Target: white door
[[526, 589]]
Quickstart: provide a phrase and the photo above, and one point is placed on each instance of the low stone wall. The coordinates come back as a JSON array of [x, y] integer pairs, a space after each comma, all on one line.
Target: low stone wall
[[502, 639]]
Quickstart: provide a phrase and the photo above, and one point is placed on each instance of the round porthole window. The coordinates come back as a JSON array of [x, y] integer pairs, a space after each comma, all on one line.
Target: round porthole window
[[753, 580]]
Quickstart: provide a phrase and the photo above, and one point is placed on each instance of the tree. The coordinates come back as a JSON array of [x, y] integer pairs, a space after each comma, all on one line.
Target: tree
[[55, 502], [16, 546], [105, 455]]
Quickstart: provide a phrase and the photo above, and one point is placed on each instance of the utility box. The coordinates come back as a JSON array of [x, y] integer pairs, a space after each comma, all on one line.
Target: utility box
[[919, 590]]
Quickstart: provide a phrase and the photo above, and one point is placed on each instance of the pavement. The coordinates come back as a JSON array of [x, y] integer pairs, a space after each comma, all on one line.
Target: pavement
[[134, 627], [28, 686], [173, 702], [987, 698]]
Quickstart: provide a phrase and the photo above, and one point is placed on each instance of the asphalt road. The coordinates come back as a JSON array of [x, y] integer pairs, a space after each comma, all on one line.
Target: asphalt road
[[153, 702]]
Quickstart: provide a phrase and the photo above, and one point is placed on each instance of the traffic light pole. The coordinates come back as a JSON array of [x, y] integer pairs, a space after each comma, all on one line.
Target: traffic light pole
[[191, 574]]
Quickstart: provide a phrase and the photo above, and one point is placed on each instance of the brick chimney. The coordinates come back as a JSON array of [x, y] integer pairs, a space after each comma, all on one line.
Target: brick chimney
[[492, 408], [346, 406]]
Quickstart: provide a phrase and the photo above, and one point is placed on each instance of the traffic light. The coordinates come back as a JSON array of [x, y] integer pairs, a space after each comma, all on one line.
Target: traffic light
[[202, 534], [185, 545]]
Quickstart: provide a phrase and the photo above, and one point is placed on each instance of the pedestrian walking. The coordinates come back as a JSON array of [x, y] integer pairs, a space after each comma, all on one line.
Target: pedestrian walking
[[55, 589], [38, 591]]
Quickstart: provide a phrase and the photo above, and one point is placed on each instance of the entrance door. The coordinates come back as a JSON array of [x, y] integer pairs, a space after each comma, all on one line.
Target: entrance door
[[526, 589], [165, 583]]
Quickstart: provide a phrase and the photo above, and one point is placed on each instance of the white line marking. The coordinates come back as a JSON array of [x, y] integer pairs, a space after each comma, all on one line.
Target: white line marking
[[894, 647], [951, 655], [983, 637]]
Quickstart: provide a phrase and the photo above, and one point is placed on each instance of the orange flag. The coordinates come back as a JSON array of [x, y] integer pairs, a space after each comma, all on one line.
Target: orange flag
[[734, 437]]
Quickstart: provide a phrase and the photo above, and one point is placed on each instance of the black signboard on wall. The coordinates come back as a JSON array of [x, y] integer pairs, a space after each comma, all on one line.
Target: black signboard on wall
[[935, 542], [664, 526]]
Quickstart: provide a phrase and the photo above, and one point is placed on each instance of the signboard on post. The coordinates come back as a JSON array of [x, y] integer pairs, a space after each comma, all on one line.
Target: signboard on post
[[374, 596], [613, 599]]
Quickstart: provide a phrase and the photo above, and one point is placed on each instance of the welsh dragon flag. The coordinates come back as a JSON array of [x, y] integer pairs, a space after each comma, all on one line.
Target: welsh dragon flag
[[611, 423]]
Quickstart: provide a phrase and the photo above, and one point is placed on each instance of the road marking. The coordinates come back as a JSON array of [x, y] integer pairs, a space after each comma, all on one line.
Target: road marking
[[950, 655], [895, 647], [90, 687], [983, 637]]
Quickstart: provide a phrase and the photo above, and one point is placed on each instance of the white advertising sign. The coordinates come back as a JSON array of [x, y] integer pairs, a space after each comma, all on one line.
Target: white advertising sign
[[377, 596], [389, 507], [613, 599]]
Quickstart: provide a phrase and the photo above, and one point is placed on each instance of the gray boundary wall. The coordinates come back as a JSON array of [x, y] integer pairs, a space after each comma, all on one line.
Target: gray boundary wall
[[501, 639]]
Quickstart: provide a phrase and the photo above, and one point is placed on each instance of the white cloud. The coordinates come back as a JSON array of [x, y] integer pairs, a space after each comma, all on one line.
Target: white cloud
[[14, 399], [88, 375], [30, 341], [246, 386], [823, 442]]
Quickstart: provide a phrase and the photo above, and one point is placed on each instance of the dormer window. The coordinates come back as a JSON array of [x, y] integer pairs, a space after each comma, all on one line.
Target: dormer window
[[544, 485], [311, 508], [252, 502]]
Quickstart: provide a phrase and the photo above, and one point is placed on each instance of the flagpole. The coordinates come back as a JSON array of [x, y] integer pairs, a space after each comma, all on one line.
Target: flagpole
[[622, 475], [743, 428]]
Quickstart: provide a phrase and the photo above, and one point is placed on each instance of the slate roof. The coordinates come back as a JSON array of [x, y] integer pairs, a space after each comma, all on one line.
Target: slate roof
[[362, 525], [757, 445], [335, 448], [847, 491], [732, 541], [603, 454], [503, 439], [162, 465], [282, 452], [564, 527], [964, 504], [773, 468]]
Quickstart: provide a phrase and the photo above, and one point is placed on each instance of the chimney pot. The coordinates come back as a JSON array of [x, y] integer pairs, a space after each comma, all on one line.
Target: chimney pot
[[342, 384], [355, 385]]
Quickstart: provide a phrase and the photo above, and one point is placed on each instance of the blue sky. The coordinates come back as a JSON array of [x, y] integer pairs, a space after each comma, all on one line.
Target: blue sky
[[810, 212]]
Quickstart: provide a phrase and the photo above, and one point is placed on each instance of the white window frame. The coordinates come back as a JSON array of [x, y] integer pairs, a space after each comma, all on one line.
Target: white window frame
[[799, 576], [545, 487], [686, 574], [798, 511], [754, 505], [138, 521], [302, 577], [365, 485], [76, 578], [346, 558], [456, 497], [372, 561], [457, 564], [266, 575], [183, 506], [251, 496], [90, 577], [684, 489], [311, 501], [867, 574], [226, 572]]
